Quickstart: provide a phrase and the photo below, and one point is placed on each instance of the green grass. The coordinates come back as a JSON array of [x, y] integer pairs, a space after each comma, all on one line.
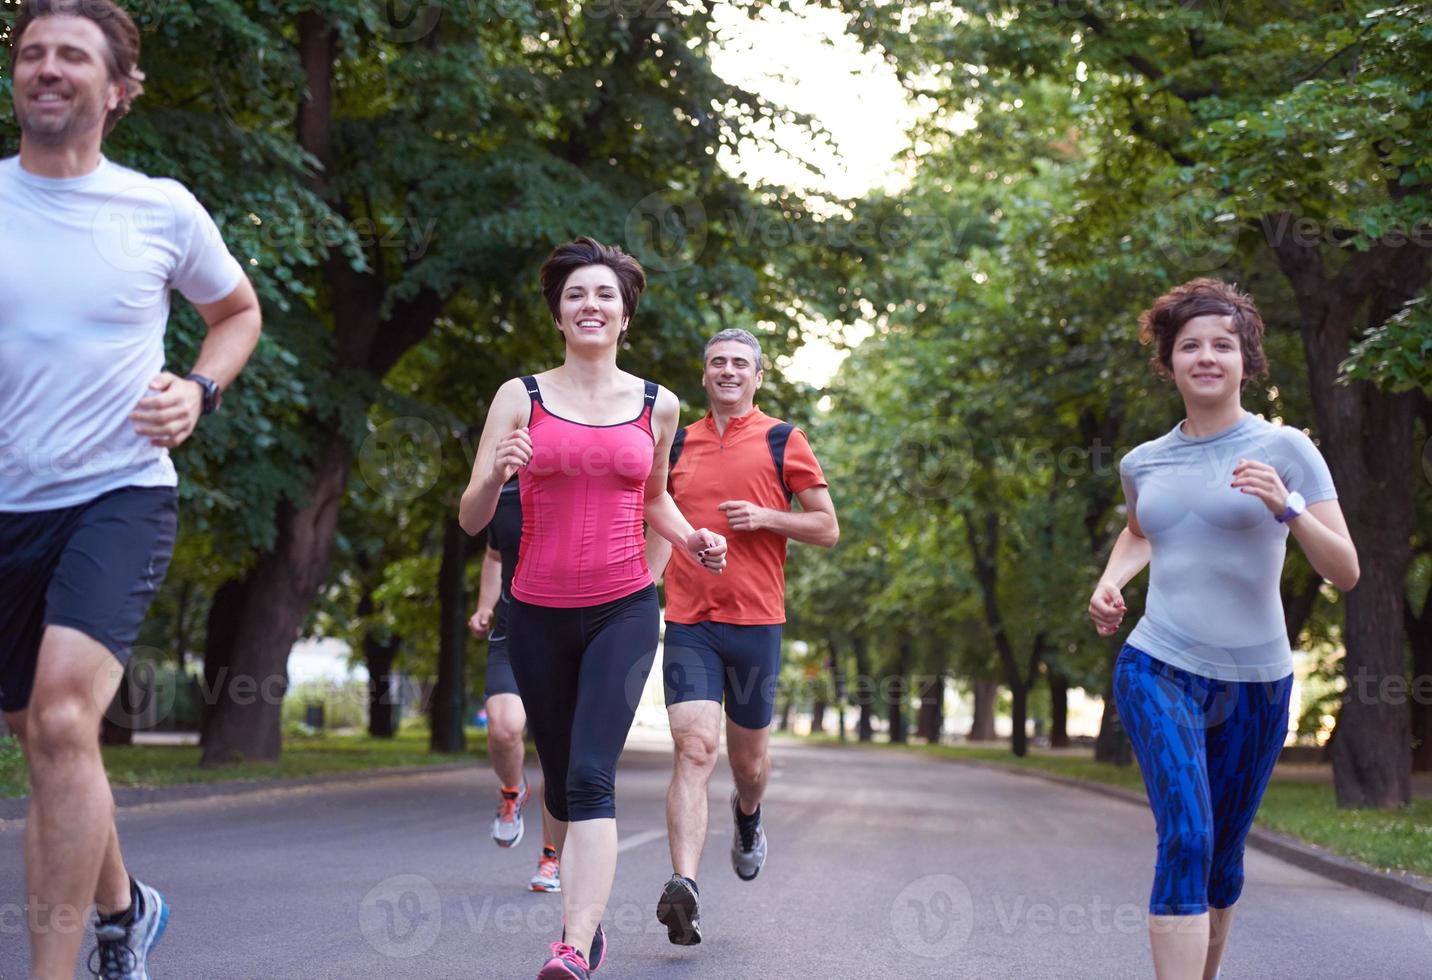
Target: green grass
[[158, 765], [1393, 840]]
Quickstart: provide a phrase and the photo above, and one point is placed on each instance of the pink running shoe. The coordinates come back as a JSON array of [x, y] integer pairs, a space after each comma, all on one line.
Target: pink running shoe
[[566, 963]]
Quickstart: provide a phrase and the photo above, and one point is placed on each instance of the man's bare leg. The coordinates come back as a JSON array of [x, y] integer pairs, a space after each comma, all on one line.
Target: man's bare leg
[[696, 730], [71, 822]]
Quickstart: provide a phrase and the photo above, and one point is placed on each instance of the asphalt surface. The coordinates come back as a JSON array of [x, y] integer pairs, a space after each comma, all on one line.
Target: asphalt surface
[[882, 865]]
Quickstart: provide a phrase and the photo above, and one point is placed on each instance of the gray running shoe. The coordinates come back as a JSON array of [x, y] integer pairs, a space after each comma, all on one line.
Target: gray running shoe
[[748, 848], [679, 910], [122, 952]]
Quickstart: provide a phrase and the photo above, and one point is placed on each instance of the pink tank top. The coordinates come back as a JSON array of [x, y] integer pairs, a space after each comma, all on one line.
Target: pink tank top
[[583, 501]]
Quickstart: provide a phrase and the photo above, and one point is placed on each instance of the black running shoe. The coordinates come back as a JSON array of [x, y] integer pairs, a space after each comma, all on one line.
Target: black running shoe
[[679, 910]]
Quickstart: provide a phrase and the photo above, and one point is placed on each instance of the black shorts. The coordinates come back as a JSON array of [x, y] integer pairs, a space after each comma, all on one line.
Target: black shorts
[[94, 567], [723, 661]]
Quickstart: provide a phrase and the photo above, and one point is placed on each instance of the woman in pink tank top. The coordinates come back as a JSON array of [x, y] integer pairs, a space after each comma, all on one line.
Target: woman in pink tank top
[[589, 443]]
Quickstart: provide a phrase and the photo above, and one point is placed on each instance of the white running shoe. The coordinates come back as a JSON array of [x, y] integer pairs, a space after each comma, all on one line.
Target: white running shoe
[[507, 825]]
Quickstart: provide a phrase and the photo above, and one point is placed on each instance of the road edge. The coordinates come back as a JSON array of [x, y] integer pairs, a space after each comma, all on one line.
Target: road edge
[[125, 797], [1396, 886]]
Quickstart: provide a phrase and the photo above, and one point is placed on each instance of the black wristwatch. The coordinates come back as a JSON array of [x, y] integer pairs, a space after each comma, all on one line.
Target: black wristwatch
[[212, 395]]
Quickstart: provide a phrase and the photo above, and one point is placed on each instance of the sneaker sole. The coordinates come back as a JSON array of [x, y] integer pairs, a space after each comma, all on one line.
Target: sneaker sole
[[500, 842], [556, 973], [677, 917], [548, 889]]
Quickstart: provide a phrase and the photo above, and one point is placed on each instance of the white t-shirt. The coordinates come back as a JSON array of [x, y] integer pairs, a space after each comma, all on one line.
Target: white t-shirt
[[86, 268]]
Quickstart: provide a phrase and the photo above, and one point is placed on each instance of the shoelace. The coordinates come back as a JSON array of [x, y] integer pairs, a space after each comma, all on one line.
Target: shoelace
[[116, 960], [562, 951], [507, 810], [547, 867], [747, 829]]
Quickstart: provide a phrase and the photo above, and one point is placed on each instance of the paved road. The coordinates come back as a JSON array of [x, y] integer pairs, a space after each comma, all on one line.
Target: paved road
[[882, 865]]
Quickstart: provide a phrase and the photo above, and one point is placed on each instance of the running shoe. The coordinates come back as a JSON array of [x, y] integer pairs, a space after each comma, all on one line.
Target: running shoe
[[598, 955], [679, 909], [549, 873], [748, 848], [566, 962], [122, 951], [507, 825]]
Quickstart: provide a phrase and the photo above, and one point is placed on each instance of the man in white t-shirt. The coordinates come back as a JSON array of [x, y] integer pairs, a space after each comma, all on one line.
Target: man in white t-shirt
[[88, 413]]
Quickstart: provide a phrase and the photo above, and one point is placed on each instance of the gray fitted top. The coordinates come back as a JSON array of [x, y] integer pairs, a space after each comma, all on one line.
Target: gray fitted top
[[1214, 606]]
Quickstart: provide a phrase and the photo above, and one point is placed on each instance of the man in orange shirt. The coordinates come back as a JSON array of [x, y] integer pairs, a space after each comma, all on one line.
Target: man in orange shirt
[[741, 468]]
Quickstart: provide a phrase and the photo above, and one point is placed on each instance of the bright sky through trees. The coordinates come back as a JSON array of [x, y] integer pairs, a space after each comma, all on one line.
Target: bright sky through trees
[[805, 61]]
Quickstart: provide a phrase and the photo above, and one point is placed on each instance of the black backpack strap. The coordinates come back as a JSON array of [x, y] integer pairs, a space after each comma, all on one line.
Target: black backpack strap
[[776, 438], [533, 391]]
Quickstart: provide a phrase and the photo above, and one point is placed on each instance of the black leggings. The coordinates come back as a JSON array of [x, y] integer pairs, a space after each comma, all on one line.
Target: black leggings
[[581, 673]]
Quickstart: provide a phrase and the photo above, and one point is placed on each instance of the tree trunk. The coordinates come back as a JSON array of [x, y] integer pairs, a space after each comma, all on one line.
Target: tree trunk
[[817, 716], [246, 723], [784, 722], [837, 674], [382, 705], [984, 548], [1112, 745], [116, 727], [1367, 441], [930, 722], [1419, 632], [865, 692], [449, 706], [245, 719], [982, 726], [898, 692], [1059, 710]]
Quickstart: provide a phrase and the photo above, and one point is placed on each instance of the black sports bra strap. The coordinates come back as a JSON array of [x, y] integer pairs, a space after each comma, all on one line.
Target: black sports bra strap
[[533, 391], [651, 391]]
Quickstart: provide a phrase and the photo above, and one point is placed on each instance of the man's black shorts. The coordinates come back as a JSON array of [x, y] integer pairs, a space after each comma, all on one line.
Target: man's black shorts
[[93, 567]]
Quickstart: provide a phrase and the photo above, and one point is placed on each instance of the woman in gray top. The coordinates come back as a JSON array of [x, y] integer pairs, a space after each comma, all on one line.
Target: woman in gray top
[[1203, 682]]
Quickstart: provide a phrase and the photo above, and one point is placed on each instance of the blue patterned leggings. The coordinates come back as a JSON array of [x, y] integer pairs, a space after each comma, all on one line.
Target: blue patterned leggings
[[1206, 749]]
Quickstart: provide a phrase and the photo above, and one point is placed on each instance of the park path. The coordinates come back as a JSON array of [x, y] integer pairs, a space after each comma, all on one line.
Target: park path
[[882, 865]]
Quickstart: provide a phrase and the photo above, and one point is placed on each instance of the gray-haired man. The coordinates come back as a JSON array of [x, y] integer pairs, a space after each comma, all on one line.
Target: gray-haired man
[[740, 467]]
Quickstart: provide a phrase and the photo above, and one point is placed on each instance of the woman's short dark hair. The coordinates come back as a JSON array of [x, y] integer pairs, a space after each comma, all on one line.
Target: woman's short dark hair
[[119, 31], [585, 251], [1159, 324]]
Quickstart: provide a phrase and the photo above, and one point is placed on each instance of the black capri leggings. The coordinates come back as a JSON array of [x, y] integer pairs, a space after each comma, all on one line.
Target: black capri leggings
[[581, 673]]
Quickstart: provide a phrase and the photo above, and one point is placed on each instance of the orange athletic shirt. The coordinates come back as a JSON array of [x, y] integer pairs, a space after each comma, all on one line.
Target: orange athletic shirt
[[711, 470]]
